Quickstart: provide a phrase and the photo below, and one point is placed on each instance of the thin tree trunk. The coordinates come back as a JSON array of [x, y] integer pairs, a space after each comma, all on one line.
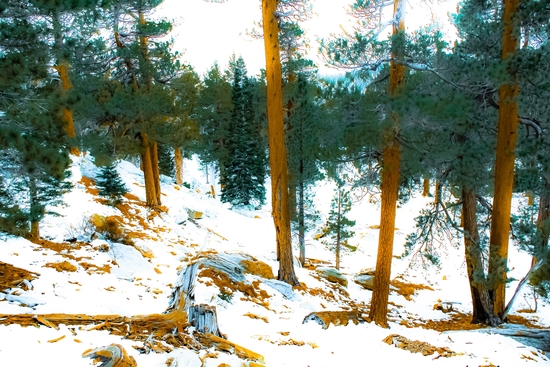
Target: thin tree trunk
[[34, 208], [301, 225], [277, 150], [437, 194], [178, 158], [155, 168], [426, 187], [530, 197], [338, 232], [390, 187], [504, 168], [481, 298], [148, 176]]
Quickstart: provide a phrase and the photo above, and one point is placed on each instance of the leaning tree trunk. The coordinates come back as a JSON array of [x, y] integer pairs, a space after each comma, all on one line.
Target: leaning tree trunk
[[148, 176], [481, 299], [277, 150], [178, 158], [504, 167], [390, 187]]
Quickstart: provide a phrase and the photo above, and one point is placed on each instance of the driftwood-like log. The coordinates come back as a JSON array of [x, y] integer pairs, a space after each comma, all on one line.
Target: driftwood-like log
[[112, 355], [325, 318], [223, 345]]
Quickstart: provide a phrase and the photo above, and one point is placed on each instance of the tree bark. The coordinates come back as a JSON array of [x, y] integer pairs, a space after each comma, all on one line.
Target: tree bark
[[155, 168], [277, 150], [426, 187], [504, 167], [301, 225], [148, 176], [338, 233], [481, 299], [178, 158], [390, 187], [66, 113]]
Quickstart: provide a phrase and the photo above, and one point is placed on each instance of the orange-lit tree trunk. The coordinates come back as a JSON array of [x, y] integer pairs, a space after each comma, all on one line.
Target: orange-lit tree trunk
[[66, 113], [178, 160], [504, 168], [390, 185], [426, 187], [277, 150], [155, 168], [148, 176]]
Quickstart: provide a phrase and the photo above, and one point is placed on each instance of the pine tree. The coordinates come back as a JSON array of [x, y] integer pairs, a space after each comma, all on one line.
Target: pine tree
[[33, 143], [338, 224], [277, 149], [245, 171], [214, 110], [110, 184]]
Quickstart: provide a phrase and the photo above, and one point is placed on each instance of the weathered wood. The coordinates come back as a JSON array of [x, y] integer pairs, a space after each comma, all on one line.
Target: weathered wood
[[205, 319], [113, 355]]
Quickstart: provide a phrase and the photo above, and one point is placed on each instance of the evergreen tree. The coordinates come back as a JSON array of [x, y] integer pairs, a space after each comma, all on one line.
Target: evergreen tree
[[33, 141], [214, 110], [337, 227], [167, 165], [110, 184], [245, 171]]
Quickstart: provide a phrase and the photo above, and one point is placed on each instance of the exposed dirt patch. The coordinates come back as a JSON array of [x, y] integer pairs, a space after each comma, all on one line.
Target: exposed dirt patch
[[90, 185], [408, 290], [62, 266], [13, 277], [416, 346], [462, 321], [92, 268], [253, 291]]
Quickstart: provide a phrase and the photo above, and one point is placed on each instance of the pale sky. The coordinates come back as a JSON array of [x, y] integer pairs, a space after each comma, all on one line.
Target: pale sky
[[207, 32]]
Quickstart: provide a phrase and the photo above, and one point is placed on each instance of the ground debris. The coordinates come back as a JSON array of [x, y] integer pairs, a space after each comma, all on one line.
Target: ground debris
[[325, 318], [415, 346]]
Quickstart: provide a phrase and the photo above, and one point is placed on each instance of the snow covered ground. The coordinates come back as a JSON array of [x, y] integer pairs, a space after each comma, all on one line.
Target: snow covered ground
[[114, 278]]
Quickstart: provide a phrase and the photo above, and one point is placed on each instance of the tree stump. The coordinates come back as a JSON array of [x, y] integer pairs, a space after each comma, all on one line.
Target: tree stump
[[205, 319]]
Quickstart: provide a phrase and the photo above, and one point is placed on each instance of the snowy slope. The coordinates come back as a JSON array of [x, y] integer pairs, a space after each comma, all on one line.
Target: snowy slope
[[117, 278]]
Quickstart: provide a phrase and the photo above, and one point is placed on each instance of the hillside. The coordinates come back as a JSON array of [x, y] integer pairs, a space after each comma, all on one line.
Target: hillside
[[99, 260]]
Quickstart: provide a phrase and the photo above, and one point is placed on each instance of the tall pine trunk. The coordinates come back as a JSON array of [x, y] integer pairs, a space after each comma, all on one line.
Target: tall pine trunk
[[155, 168], [178, 160], [504, 168], [148, 176], [426, 187], [390, 187], [277, 150], [481, 299]]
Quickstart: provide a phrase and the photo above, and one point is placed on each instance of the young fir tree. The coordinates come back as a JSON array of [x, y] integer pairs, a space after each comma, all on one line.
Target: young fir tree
[[110, 184], [213, 110], [245, 171], [337, 227], [167, 165]]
